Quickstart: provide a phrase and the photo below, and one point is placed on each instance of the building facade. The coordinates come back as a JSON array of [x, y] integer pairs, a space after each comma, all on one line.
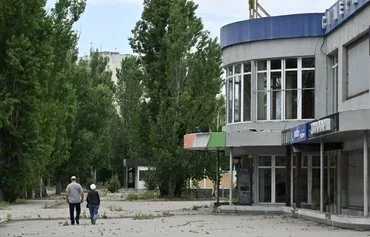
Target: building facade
[[298, 107]]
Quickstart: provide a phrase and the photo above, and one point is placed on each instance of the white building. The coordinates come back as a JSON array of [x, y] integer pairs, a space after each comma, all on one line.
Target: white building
[[298, 106]]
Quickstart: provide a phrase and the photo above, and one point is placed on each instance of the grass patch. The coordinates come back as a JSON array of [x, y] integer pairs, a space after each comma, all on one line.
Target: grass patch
[[142, 196], [84, 215], [143, 216], [3, 205], [167, 213], [20, 201], [9, 217], [132, 197], [104, 215], [115, 208]]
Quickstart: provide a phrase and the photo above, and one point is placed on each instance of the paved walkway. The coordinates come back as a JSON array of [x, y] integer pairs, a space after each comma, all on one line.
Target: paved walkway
[[58, 209], [45, 218]]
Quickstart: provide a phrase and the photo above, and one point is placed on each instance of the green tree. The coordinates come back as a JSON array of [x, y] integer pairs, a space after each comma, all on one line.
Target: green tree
[[25, 69], [131, 101], [63, 101], [37, 58], [95, 115], [183, 76]]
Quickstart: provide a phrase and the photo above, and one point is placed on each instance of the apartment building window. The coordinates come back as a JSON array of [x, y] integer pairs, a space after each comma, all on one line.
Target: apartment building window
[[358, 67]]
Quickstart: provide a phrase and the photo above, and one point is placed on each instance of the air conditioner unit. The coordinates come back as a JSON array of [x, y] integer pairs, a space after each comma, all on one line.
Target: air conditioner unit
[[324, 22], [341, 7], [328, 17], [354, 2], [335, 13]]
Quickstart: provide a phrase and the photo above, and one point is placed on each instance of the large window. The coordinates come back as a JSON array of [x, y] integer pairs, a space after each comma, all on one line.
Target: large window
[[271, 179], [229, 86], [247, 92], [358, 67], [284, 89], [308, 88], [276, 90], [262, 90], [239, 92], [264, 177]]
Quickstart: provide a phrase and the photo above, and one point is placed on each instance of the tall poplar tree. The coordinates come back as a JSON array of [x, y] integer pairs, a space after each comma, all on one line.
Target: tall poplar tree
[[94, 118], [25, 69], [61, 91], [37, 102], [183, 76]]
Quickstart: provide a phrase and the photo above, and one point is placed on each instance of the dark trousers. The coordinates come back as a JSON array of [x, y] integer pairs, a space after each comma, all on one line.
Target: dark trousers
[[72, 207]]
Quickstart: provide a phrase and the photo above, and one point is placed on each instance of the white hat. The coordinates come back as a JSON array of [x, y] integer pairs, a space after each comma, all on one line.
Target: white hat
[[73, 178], [92, 186]]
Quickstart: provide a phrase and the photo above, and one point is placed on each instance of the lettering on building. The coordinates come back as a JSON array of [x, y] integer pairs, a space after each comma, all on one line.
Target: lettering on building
[[320, 126]]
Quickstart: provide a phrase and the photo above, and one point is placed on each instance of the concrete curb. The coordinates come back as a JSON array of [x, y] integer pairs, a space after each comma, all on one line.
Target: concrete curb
[[342, 221]]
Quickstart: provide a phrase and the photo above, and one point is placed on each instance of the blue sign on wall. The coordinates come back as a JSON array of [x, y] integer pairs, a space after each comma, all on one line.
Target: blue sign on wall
[[299, 133]]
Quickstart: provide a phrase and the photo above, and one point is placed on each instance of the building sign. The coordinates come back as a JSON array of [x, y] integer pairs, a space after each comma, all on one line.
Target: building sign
[[298, 134], [321, 126]]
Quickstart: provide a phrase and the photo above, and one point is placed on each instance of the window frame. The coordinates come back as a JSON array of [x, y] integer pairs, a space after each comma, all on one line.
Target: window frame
[[267, 90], [350, 45], [231, 75]]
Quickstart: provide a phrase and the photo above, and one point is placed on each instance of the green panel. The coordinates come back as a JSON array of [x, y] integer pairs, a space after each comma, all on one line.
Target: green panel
[[217, 140]]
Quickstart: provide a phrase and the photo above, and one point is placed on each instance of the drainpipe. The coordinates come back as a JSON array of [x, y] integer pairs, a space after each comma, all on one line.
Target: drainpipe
[[339, 182]]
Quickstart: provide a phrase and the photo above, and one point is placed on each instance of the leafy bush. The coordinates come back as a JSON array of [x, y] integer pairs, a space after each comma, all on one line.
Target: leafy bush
[[151, 180], [114, 184]]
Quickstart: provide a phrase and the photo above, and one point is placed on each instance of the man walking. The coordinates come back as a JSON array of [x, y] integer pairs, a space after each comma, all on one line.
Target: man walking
[[75, 197]]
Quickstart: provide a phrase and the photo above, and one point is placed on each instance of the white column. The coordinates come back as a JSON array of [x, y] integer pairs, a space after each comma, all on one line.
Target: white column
[[273, 180], [339, 180], [309, 181], [366, 181], [321, 175], [231, 178], [256, 179], [291, 180], [328, 180]]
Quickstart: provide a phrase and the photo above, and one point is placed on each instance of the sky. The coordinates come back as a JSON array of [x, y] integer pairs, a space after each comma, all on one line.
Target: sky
[[106, 24]]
